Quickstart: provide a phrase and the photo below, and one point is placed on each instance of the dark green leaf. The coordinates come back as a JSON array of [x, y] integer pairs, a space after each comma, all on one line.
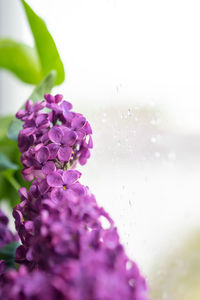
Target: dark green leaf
[[7, 253], [20, 59], [43, 88], [45, 45], [6, 164]]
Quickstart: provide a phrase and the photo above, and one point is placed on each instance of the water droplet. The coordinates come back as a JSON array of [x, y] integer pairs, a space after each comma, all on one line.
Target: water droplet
[[129, 112], [153, 139], [118, 87]]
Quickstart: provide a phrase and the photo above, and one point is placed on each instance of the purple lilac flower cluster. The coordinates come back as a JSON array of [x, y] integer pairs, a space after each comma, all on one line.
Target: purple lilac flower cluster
[[70, 246], [53, 137]]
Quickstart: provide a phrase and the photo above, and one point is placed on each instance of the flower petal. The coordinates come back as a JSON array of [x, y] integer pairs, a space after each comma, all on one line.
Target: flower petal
[[78, 122], [69, 137], [88, 128], [55, 134], [23, 193], [78, 188], [42, 155], [90, 143], [55, 180], [68, 116], [49, 98], [34, 191], [41, 119], [43, 186], [71, 176], [53, 150], [49, 167], [58, 194], [27, 174], [58, 98], [64, 153], [28, 131], [66, 106], [28, 105], [20, 114], [85, 154]]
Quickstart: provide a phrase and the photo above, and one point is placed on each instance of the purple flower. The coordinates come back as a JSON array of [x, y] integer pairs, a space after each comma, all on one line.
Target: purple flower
[[64, 184], [63, 140], [42, 158], [30, 110], [34, 125]]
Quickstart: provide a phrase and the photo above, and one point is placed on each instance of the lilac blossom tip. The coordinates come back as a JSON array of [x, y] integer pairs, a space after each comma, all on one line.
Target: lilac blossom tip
[[53, 137]]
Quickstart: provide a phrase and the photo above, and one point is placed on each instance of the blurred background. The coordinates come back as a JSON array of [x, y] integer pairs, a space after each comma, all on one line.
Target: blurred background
[[132, 68]]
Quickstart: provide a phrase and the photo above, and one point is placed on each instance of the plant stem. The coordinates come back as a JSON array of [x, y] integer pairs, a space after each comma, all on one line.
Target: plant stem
[[12, 181]]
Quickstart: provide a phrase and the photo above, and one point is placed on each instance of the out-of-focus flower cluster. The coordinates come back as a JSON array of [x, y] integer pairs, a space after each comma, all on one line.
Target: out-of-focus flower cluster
[[65, 238], [70, 247]]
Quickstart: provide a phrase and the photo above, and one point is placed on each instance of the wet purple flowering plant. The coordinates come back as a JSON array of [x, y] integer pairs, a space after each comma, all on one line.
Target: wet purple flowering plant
[[62, 250], [65, 251]]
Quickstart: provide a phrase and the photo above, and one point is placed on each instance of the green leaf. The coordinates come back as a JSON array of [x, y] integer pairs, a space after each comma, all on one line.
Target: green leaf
[[8, 193], [4, 123], [7, 168], [11, 180], [7, 253], [43, 88], [6, 164], [8, 174], [20, 59], [45, 45]]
